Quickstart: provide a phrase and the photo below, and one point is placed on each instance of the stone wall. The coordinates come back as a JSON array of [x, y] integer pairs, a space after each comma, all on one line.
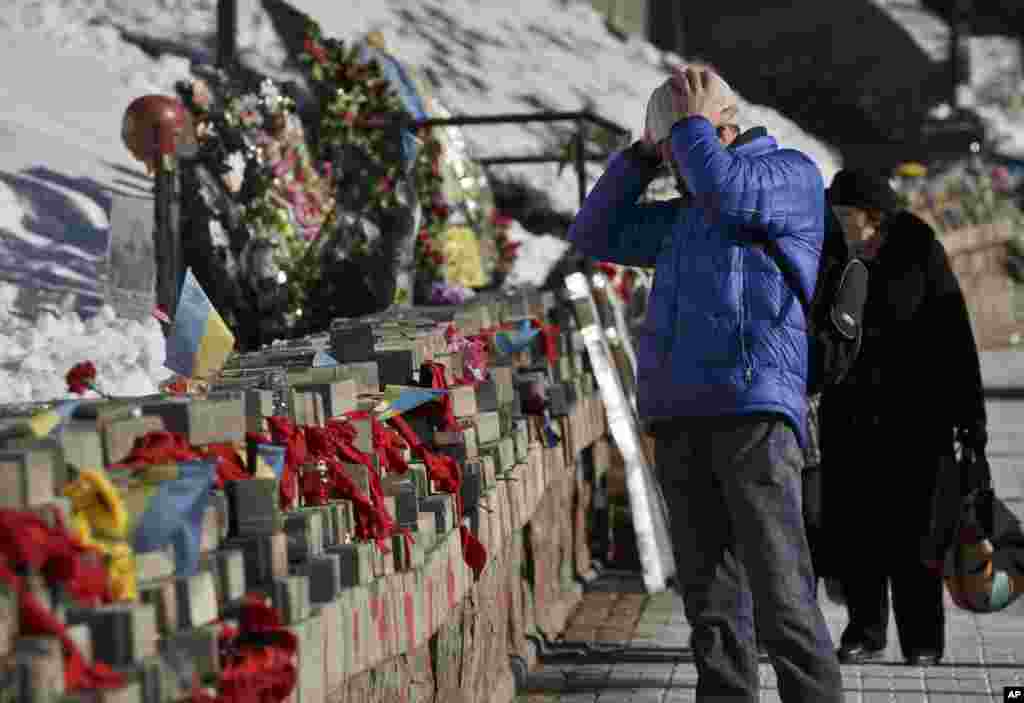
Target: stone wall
[[978, 255]]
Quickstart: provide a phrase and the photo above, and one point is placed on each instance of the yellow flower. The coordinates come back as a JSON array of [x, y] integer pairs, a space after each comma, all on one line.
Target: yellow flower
[[911, 169], [121, 569], [99, 504]]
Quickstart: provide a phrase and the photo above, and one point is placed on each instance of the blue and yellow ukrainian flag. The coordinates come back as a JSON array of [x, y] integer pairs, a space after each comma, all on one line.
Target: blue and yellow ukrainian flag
[[200, 341], [165, 506], [512, 342], [264, 459], [41, 424], [401, 399]]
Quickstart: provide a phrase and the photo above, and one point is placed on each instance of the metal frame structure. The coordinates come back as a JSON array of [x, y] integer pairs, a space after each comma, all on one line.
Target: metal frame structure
[[581, 119], [650, 515]]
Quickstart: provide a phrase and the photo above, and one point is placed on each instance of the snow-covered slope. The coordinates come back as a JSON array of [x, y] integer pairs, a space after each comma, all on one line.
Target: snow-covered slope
[[483, 58], [71, 72], [928, 30], [997, 71]]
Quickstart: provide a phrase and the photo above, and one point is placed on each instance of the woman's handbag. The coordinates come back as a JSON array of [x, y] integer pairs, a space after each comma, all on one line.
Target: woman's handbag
[[975, 542]]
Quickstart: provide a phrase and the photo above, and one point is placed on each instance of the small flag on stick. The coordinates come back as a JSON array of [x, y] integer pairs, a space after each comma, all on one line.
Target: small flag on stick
[[200, 341], [512, 342], [402, 399]]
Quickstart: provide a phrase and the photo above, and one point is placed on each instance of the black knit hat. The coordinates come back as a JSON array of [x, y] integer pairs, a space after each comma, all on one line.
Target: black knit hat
[[863, 189]]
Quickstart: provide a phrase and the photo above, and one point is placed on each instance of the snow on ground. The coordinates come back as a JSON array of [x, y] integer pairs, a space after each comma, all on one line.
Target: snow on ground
[[35, 355]]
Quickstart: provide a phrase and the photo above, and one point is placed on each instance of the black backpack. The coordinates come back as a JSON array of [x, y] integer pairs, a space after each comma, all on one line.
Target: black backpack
[[836, 311]]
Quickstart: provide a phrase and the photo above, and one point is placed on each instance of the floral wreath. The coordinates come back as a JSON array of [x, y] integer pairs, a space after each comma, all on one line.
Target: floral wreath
[[357, 101], [256, 145]]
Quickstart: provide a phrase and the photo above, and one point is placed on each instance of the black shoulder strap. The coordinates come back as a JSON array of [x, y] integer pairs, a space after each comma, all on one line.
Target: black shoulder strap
[[771, 247]]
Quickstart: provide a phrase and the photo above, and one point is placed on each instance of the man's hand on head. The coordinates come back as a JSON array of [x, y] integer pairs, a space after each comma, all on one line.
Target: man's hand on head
[[697, 93]]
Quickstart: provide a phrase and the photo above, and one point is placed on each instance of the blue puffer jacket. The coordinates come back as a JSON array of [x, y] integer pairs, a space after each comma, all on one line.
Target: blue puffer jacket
[[724, 333]]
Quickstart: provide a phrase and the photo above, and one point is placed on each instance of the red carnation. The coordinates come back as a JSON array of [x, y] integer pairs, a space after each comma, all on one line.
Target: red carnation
[[318, 53], [349, 118], [424, 235], [441, 212], [178, 386], [607, 269], [82, 377]]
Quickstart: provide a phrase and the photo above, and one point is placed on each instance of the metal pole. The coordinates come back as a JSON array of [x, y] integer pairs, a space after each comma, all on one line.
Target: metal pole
[[959, 52], [227, 33], [581, 162], [166, 239], [466, 120]]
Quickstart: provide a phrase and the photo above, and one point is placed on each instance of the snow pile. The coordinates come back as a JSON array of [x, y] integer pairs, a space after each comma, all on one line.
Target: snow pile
[[538, 256], [77, 26], [997, 86], [36, 356]]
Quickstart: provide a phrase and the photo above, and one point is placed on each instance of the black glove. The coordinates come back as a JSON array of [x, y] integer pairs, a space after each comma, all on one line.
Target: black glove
[[644, 153]]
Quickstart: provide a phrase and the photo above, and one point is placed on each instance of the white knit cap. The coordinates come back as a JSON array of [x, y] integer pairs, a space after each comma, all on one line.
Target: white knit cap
[[661, 113]]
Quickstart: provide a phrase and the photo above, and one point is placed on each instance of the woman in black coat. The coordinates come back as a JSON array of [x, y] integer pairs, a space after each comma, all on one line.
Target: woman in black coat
[[889, 426]]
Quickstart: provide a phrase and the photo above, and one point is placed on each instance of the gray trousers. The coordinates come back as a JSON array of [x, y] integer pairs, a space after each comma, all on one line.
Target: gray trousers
[[732, 487]]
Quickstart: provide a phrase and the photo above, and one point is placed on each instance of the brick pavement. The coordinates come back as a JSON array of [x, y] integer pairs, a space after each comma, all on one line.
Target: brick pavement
[[983, 654]]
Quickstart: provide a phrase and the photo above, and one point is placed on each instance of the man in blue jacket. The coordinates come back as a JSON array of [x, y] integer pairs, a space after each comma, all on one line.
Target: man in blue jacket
[[722, 375]]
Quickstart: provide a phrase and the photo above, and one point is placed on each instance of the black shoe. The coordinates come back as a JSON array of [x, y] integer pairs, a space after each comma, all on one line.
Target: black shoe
[[924, 658], [859, 653]]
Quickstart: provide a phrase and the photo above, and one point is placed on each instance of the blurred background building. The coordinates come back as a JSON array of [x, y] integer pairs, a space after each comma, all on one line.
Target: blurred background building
[[882, 80]]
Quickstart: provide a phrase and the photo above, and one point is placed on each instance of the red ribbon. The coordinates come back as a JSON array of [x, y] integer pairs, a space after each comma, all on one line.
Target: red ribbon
[[290, 436], [444, 471], [625, 286], [315, 488], [441, 409], [155, 448], [259, 664], [27, 540], [549, 334], [332, 445], [473, 552], [230, 466], [388, 446]]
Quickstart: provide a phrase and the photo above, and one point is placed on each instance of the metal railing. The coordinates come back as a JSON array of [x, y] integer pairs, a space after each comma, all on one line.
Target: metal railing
[[580, 156]]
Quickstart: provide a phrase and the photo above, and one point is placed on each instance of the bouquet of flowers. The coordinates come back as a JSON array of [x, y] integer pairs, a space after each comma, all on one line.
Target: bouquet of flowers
[[256, 145], [960, 194]]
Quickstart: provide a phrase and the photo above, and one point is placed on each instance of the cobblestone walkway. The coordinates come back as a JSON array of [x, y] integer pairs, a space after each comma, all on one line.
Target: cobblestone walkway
[[983, 654]]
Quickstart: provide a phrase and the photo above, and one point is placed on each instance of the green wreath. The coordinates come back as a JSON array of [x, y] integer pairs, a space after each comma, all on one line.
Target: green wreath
[[356, 101]]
